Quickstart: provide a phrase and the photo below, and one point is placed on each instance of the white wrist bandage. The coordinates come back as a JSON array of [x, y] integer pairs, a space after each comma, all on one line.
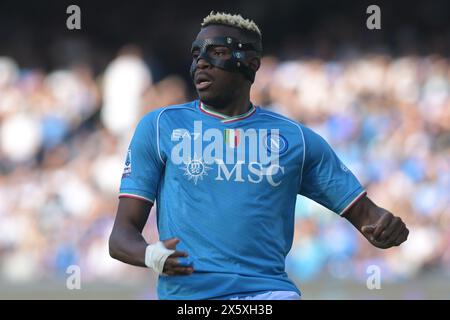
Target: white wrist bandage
[[156, 255]]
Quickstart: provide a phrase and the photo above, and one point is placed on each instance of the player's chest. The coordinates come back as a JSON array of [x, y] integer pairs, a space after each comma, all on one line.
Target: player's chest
[[266, 156]]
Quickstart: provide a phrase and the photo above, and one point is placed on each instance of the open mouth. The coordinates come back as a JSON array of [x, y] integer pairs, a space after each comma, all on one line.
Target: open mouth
[[203, 81], [202, 85]]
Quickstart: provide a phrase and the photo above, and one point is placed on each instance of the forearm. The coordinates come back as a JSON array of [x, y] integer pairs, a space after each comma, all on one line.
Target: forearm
[[128, 245], [126, 242]]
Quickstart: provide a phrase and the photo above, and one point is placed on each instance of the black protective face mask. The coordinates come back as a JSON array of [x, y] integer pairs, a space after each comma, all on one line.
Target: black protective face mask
[[236, 63]]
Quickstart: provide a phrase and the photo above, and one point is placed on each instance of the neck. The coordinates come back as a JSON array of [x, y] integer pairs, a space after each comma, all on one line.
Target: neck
[[233, 108]]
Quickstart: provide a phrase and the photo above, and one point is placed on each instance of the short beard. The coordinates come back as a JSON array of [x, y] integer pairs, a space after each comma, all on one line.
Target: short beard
[[221, 101], [217, 102]]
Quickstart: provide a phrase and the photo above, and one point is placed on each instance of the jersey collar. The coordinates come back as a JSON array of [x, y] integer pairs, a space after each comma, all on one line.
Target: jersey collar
[[224, 118]]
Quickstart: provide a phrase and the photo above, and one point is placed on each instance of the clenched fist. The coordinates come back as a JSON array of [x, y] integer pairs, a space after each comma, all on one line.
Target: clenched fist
[[387, 232]]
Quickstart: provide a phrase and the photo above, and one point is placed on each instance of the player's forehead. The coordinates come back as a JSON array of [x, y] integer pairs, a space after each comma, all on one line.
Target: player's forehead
[[213, 31]]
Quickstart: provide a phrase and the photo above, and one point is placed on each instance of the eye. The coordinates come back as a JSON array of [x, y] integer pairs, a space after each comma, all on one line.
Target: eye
[[221, 52], [195, 53]]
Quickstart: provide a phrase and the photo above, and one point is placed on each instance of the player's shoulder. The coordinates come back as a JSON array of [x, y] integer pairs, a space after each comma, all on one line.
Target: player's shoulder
[[281, 119], [305, 131], [176, 110]]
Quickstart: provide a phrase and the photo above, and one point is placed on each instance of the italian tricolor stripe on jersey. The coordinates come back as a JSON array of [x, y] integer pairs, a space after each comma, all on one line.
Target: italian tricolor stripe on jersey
[[232, 137], [224, 118]]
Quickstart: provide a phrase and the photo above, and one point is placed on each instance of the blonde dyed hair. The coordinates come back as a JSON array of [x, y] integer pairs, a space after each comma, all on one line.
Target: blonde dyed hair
[[232, 20]]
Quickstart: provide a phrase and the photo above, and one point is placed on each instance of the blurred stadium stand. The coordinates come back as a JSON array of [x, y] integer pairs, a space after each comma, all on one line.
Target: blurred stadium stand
[[69, 101]]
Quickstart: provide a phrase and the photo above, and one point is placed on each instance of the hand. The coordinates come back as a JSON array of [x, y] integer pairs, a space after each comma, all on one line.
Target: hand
[[172, 266], [388, 231]]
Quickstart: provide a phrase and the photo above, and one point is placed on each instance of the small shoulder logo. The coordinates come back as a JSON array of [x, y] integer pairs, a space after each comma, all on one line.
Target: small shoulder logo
[[344, 168], [127, 169], [275, 143]]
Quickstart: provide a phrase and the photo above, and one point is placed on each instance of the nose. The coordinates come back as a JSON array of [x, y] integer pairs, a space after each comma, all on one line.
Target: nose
[[203, 64]]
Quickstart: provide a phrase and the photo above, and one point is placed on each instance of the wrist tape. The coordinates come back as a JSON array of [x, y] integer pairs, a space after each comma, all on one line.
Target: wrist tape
[[156, 255]]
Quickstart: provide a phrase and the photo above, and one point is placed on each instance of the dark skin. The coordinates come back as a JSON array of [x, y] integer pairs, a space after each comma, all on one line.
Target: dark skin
[[127, 244], [229, 94], [379, 226]]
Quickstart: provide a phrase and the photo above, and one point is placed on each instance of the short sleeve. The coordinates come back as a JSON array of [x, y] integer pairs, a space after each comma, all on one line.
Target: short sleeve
[[325, 179], [143, 165]]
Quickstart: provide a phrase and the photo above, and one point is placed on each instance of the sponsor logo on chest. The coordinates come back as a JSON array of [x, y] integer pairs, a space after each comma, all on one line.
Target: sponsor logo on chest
[[240, 155]]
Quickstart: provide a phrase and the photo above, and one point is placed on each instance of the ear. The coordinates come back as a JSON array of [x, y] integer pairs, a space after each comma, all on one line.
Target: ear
[[254, 62]]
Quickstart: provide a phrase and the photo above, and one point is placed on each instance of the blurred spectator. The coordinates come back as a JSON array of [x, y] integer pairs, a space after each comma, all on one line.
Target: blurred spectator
[[20, 136], [125, 80], [387, 117], [170, 90]]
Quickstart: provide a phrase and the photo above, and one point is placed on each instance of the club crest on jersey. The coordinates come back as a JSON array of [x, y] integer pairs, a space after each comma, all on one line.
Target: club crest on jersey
[[127, 168], [275, 143]]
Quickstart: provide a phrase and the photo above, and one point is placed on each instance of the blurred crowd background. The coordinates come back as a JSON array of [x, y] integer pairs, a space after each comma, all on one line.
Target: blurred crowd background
[[69, 102]]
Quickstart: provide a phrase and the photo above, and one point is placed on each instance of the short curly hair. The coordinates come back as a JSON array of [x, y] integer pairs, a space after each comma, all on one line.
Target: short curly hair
[[232, 20]]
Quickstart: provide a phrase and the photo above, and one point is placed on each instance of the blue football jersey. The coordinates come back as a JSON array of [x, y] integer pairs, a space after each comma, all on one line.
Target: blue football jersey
[[227, 187]]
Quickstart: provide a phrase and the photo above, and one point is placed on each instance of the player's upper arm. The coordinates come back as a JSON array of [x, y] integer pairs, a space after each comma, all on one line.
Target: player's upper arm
[[144, 163], [325, 179], [132, 213]]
